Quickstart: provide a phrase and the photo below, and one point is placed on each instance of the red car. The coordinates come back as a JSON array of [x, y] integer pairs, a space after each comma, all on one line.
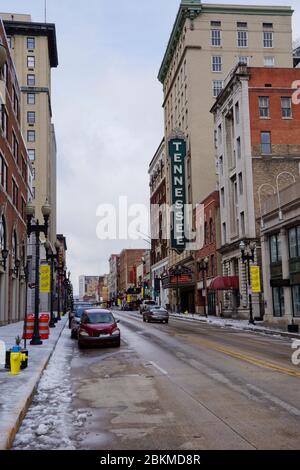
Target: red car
[[99, 327]]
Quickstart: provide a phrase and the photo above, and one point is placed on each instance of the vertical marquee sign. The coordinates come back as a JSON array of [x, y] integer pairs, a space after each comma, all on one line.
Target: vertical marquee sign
[[177, 155]]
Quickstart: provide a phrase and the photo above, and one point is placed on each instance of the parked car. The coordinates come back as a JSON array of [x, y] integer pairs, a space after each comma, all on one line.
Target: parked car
[[76, 318], [156, 314], [146, 304], [131, 306], [98, 327]]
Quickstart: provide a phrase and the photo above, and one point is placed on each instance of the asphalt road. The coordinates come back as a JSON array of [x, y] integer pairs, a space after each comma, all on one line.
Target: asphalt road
[[180, 386]]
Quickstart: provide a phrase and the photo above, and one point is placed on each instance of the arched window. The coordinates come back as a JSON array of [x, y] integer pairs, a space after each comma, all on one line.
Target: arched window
[[2, 234]]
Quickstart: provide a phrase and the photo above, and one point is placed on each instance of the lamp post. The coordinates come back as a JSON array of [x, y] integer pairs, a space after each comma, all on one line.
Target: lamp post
[[203, 268], [4, 254], [248, 255], [37, 229], [52, 258]]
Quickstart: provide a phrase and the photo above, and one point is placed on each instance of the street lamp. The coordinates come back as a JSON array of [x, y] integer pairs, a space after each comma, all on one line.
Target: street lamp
[[4, 254], [37, 229], [15, 270], [52, 257], [248, 254], [203, 268]]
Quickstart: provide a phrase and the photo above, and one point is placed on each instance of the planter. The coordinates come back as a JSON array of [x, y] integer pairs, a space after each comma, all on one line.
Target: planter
[[293, 328], [24, 365]]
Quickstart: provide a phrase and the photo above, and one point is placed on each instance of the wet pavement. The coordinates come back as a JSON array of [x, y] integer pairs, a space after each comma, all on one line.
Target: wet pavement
[[180, 386]]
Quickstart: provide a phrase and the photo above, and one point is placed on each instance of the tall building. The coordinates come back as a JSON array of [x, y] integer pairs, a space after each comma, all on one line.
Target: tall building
[[129, 259], [258, 154], [114, 277], [89, 288], [34, 52], [15, 170], [206, 42]]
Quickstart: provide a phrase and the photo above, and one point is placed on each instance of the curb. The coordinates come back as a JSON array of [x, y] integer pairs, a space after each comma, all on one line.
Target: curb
[[7, 441], [251, 330]]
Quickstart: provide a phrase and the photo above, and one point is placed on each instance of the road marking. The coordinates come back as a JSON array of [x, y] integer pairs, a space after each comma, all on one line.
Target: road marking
[[164, 372], [291, 409], [251, 360]]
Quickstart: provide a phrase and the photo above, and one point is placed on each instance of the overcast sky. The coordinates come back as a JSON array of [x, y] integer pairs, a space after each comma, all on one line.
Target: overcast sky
[[107, 109]]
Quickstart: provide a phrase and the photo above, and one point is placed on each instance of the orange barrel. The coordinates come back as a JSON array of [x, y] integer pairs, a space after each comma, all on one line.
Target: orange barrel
[[28, 331], [44, 325]]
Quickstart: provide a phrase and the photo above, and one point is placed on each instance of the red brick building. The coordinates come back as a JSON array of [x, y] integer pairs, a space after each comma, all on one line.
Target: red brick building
[[129, 260], [206, 299], [14, 192]]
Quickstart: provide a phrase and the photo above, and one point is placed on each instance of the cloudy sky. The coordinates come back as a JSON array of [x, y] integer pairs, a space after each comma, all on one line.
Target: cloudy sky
[[107, 109]]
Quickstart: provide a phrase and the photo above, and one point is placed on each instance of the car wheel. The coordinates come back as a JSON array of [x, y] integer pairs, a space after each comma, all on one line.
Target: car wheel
[[117, 344], [167, 321]]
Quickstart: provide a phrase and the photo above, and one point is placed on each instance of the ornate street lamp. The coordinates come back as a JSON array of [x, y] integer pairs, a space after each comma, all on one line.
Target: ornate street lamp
[[3, 261], [203, 268], [37, 229], [248, 255]]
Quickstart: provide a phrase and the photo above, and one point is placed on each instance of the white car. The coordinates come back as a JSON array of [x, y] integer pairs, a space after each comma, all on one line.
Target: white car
[[146, 304]]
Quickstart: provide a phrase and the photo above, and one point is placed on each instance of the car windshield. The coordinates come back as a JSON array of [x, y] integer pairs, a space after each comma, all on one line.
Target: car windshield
[[95, 318], [81, 309]]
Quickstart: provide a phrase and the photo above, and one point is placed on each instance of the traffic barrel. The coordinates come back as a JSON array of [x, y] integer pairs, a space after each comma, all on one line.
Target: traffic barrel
[[44, 325], [28, 331]]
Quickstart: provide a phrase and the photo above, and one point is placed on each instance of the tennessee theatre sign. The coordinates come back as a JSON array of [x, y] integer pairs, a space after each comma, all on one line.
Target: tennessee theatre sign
[[177, 155]]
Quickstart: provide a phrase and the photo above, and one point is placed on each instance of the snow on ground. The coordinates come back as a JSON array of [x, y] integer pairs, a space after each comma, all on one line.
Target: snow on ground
[[50, 421]]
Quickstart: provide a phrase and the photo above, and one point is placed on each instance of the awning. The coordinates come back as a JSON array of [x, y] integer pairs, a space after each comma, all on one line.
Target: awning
[[225, 283]]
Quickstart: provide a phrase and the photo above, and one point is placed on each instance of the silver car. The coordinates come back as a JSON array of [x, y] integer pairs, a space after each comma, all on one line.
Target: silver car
[[156, 314]]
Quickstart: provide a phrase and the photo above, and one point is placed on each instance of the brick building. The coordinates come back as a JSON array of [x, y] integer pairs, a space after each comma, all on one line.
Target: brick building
[[129, 260], [209, 257], [114, 277], [258, 154], [15, 172]]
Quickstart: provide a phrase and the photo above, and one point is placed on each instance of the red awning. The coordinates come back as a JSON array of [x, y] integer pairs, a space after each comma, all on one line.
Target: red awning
[[225, 283]]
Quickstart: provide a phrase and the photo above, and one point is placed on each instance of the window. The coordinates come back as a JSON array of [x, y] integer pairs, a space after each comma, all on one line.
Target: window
[[220, 139], [237, 113], [9, 41], [212, 265], [239, 148], [15, 100], [275, 249], [268, 39], [217, 63], [216, 37], [224, 230], [2, 234], [296, 300], [264, 107], [15, 194], [4, 121], [266, 147], [31, 43], [31, 117], [223, 197], [221, 166], [211, 230], [31, 98], [241, 184], [268, 25], [23, 206], [244, 60], [31, 62], [31, 136], [215, 24], [3, 173], [31, 154], [206, 239], [278, 302], [243, 228], [31, 80], [15, 146], [242, 38], [242, 24], [217, 87], [269, 61], [294, 242], [286, 107]]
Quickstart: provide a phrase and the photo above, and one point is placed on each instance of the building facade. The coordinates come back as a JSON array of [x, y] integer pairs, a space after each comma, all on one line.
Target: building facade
[[205, 44], [14, 193], [258, 153], [34, 52], [129, 260], [114, 277], [89, 288], [281, 256], [159, 224]]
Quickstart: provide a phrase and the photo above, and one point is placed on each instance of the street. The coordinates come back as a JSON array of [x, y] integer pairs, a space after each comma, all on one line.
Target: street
[[180, 386]]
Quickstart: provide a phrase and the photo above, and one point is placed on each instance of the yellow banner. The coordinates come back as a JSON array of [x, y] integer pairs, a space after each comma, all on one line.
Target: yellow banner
[[256, 284], [45, 279]]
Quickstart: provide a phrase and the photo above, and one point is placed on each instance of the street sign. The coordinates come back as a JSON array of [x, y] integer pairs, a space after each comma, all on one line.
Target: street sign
[[256, 284], [177, 155], [45, 279]]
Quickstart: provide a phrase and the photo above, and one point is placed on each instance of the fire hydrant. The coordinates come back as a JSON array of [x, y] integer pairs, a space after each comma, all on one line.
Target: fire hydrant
[[16, 359]]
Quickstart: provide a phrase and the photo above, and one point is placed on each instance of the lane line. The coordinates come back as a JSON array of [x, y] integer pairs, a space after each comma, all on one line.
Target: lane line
[[164, 372]]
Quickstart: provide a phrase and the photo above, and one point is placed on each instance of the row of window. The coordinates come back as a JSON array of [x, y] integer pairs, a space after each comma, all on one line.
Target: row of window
[[279, 301], [294, 245], [31, 44], [286, 107], [14, 187], [242, 37], [217, 62]]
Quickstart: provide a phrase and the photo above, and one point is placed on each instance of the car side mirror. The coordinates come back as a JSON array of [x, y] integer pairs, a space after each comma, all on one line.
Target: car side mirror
[[118, 321]]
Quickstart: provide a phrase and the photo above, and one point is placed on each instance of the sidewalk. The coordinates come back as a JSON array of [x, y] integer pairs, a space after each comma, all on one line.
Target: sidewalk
[[235, 324], [17, 392]]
